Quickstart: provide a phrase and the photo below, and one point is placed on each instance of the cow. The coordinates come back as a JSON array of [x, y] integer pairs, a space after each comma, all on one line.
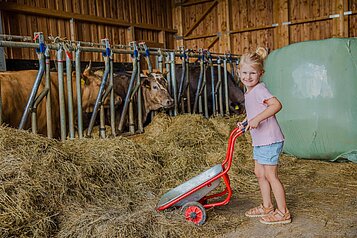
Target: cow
[[16, 87], [153, 87], [154, 91], [235, 93]]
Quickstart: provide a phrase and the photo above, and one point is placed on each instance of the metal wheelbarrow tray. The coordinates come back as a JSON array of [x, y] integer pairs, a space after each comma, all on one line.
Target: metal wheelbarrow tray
[[192, 195]]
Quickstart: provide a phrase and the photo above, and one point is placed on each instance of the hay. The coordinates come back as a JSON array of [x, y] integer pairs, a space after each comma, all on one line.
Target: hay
[[110, 187]]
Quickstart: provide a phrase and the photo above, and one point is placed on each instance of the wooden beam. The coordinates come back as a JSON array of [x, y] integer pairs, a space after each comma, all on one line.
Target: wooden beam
[[252, 29], [193, 3], [201, 18], [20, 8], [213, 42], [310, 20], [199, 36]]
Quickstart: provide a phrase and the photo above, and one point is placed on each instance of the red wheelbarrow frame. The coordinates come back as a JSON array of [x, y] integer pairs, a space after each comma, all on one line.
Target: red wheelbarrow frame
[[226, 165]]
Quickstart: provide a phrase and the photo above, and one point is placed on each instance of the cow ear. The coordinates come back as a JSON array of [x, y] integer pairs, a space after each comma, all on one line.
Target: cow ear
[[164, 73], [146, 83], [88, 69], [99, 73], [146, 72]]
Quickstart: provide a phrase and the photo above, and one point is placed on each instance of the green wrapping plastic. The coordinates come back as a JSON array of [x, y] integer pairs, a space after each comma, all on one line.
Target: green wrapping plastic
[[316, 81]]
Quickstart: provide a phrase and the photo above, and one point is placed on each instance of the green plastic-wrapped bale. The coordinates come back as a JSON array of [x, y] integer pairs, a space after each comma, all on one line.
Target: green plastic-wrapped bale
[[316, 81]]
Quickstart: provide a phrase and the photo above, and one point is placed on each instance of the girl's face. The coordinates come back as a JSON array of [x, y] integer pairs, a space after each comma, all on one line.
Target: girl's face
[[249, 76]]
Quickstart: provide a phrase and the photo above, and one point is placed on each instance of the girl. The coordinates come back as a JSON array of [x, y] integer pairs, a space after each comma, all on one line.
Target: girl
[[261, 107]]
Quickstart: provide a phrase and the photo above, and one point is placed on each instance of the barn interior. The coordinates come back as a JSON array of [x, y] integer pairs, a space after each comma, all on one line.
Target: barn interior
[[104, 177]]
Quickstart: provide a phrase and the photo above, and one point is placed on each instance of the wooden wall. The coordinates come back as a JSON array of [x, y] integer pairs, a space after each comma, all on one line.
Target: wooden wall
[[238, 26], [234, 26], [120, 21]]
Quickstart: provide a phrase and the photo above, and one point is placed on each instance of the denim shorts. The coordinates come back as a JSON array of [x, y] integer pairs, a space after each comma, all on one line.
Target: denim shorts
[[268, 154]]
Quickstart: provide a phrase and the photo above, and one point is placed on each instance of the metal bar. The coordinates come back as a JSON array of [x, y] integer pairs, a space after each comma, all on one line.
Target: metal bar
[[61, 93], [79, 92], [199, 85], [212, 87], [153, 51], [173, 81], [139, 98], [226, 85], [69, 94], [167, 66], [34, 90], [112, 106], [205, 97], [99, 96], [183, 77], [188, 89], [34, 110], [48, 97], [219, 87], [126, 101], [102, 121]]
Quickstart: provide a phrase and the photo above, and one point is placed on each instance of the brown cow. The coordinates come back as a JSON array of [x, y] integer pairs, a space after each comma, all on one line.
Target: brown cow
[[154, 91], [16, 87]]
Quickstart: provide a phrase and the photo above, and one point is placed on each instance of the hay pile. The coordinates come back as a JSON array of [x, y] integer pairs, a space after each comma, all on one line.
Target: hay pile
[[110, 187]]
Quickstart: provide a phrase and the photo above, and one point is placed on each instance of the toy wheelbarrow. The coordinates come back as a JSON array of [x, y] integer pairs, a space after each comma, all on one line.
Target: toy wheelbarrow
[[192, 197]]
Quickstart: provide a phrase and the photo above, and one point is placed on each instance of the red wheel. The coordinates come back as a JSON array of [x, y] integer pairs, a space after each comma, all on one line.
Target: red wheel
[[194, 212]]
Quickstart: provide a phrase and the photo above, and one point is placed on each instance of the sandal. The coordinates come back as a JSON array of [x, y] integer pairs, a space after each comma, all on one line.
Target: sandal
[[277, 217], [259, 211]]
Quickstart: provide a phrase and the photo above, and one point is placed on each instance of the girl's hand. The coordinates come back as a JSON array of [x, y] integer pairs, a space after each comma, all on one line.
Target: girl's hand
[[241, 125], [254, 123]]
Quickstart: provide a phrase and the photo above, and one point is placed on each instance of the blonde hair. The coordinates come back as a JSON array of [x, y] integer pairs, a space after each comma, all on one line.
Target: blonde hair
[[255, 59]]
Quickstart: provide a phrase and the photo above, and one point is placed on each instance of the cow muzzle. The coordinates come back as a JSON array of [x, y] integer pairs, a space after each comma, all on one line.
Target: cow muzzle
[[168, 103]]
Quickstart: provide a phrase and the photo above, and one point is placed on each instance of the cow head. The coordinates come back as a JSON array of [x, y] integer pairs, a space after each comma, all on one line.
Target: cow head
[[155, 91], [90, 83]]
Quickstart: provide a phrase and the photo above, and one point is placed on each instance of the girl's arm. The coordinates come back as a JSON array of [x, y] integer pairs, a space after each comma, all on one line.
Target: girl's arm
[[274, 106]]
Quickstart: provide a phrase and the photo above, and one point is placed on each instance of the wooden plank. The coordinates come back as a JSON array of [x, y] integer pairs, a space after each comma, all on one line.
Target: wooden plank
[[199, 36], [210, 45], [162, 39], [281, 33], [193, 3], [224, 21], [79, 17], [195, 24], [179, 25]]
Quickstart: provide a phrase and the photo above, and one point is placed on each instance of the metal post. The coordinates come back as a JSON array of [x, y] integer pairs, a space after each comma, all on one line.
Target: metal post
[[100, 98], [167, 66], [219, 87], [212, 86], [199, 85], [131, 83], [159, 61], [173, 80], [69, 93], [182, 82], [188, 89], [79, 91], [37, 82], [48, 97], [226, 85], [61, 92], [112, 106], [139, 97]]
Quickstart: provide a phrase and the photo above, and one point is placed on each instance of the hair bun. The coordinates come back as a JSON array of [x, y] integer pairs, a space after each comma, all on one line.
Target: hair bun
[[262, 52]]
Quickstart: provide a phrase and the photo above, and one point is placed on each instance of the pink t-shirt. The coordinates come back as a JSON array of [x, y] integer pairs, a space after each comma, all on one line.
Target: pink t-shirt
[[268, 130]]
